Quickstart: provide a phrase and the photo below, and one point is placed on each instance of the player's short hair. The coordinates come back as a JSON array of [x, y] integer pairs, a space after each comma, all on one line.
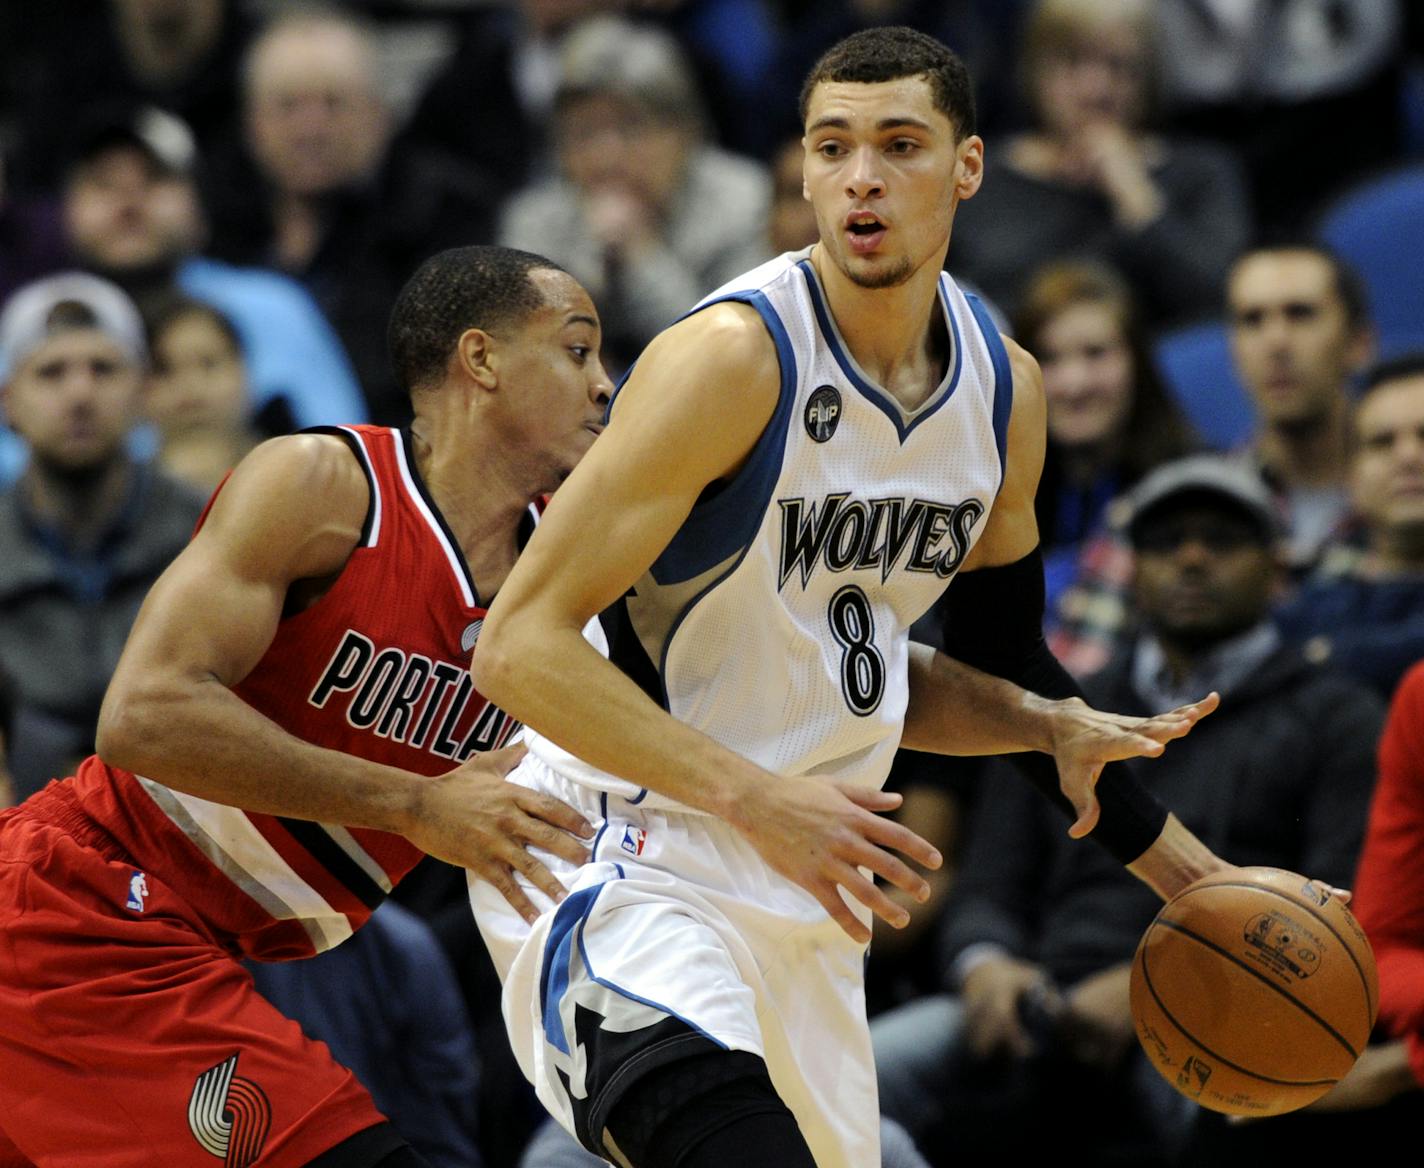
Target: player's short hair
[[887, 54], [462, 288], [1349, 287]]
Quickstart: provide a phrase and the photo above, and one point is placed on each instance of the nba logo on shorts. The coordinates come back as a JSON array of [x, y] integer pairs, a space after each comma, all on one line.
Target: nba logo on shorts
[[633, 840], [138, 892]]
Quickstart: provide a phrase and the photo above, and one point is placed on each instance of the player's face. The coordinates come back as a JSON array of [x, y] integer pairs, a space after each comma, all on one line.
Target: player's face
[[1201, 573], [552, 380], [1087, 375], [121, 213], [1387, 475], [1290, 335], [73, 399], [198, 381], [884, 173]]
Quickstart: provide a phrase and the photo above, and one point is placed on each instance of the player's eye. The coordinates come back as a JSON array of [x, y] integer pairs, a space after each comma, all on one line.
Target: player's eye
[[580, 352], [830, 149], [904, 146]]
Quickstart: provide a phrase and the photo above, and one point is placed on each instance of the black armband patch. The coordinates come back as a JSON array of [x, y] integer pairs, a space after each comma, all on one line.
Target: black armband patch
[[993, 620]]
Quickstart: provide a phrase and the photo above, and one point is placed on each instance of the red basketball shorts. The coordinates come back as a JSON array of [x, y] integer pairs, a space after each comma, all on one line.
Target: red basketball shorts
[[130, 1037]]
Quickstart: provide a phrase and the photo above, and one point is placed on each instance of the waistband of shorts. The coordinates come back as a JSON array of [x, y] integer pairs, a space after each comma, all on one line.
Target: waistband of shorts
[[57, 805]]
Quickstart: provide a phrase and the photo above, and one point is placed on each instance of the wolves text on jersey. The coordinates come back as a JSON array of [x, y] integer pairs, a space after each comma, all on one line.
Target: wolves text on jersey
[[400, 695], [846, 533]]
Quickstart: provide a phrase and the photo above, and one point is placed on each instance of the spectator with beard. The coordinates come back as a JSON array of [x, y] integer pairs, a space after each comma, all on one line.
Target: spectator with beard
[[86, 529]]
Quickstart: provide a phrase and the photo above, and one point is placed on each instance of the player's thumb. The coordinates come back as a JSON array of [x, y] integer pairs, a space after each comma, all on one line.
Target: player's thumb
[[506, 759], [1087, 817]]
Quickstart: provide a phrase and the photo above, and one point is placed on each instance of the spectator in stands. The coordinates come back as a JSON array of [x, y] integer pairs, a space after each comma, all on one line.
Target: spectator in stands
[[196, 394], [1300, 334], [1110, 420], [320, 194], [1363, 607], [646, 214], [1088, 180], [386, 1002], [133, 215], [1041, 931], [59, 58], [86, 529], [1275, 78]]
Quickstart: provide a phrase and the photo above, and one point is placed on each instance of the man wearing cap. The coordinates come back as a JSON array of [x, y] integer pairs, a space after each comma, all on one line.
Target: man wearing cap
[[1040, 935], [86, 529], [132, 214]]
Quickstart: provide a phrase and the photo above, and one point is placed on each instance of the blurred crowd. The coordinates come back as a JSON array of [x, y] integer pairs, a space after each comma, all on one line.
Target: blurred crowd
[[1205, 218]]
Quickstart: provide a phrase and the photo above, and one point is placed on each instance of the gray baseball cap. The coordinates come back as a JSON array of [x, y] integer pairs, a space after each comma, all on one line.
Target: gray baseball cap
[[56, 304], [1227, 479]]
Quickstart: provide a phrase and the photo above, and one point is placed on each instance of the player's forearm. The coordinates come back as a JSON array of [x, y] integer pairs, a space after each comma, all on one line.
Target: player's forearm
[[1175, 859], [200, 738], [553, 680], [957, 709]]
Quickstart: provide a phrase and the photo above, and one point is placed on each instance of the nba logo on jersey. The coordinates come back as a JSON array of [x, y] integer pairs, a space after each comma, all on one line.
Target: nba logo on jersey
[[138, 892], [633, 840]]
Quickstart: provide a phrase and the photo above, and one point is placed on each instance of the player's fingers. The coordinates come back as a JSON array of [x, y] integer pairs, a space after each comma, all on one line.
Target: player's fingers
[[1087, 818], [553, 811], [829, 895], [505, 759], [890, 834], [552, 839], [891, 868], [503, 882], [1343, 895], [870, 798], [869, 894], [539, 875]]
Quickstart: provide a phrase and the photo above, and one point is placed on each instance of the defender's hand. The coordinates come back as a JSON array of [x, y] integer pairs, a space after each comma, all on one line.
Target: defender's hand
[[1085, 739], [820, 834], [473, 818]]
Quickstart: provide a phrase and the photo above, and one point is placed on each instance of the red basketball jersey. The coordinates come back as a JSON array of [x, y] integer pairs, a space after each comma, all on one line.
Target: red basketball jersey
[[378, 668]]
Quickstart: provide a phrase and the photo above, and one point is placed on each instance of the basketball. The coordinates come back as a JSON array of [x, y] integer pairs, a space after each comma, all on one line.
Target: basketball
[[1254, 991]]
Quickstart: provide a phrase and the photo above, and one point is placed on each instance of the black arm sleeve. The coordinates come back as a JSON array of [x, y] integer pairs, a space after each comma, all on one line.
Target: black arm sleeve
[[993, 620]]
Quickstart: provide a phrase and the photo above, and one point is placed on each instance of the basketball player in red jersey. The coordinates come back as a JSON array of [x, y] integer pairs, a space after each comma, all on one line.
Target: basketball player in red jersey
[[303, 660]]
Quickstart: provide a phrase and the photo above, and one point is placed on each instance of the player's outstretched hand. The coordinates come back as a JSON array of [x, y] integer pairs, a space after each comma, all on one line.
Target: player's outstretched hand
[[1085, 739], [820, 834], [473, 818]]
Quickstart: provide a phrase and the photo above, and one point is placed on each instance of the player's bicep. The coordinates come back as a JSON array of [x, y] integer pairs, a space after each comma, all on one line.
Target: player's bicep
[[689, 415], [293, 510], [1011, 531]]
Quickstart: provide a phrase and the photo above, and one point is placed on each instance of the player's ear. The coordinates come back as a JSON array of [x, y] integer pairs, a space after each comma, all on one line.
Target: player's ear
[[474, 358], [969, 167]]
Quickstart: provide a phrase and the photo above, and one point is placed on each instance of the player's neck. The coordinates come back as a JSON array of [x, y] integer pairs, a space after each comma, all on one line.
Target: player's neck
[[482, 507], [895, 334]]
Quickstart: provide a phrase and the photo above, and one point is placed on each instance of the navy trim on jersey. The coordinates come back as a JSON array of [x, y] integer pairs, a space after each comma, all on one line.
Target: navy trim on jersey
[[371, 525], [458, 555], [558, 950], [626, 651], [726, 523], [1003, 379], [873, 393], [331, 856]]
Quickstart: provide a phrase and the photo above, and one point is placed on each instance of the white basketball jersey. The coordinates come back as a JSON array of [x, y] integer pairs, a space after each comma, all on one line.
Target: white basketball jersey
[[777, 619]]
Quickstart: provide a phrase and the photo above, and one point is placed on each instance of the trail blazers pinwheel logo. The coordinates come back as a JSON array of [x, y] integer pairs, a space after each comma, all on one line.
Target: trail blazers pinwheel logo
[[229, 1116]]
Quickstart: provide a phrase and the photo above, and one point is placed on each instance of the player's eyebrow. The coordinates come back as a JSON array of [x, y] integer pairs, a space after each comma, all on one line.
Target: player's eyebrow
[[832, 122], [581, 318]]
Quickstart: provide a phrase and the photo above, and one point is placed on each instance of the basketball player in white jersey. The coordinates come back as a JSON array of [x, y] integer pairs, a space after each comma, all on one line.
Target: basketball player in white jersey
[[708, 637]]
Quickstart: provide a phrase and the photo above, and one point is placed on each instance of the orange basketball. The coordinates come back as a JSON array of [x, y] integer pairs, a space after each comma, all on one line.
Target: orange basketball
[[1254, 991]]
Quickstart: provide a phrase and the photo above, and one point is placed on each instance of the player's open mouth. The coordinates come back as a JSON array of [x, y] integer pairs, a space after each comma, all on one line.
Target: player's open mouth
[[865, 231]]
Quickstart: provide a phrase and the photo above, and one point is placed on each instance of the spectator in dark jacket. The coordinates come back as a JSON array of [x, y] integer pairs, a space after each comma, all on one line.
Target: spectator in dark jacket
[[1040, 937], [1363, 608], [86, 529]]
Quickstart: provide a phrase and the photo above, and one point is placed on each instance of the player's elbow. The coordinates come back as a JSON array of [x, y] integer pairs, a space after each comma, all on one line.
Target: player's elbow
[[131, 726], [493, 667]]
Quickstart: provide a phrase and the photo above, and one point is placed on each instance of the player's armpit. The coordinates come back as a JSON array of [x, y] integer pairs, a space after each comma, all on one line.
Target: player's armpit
[[1011, 531]]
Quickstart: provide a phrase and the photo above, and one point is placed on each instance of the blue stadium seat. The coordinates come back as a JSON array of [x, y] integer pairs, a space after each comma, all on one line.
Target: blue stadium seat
[[1195, 363], [1379, 228]]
